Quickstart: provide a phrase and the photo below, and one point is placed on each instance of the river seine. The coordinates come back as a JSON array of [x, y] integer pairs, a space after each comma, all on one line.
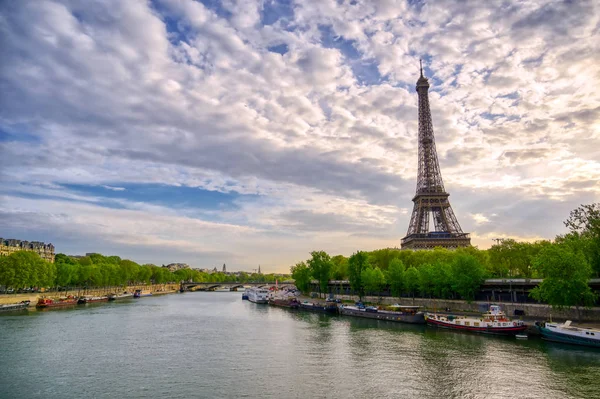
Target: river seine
[[214, 345]]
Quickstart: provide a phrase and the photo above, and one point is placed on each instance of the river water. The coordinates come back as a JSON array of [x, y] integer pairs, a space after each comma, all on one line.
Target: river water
[[214, 345]]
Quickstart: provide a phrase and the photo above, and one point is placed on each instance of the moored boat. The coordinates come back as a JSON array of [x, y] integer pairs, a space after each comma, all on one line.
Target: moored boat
[[329, 307], [56, 302], [124, 295], [285, 302], [9, 307], [245, 295], [141, 293], [568, 334], [492, 322], [396, 313], [258, 295], [91, 299]]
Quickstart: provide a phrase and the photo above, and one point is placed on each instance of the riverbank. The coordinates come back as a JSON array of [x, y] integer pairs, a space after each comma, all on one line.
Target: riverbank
[[156, 289]]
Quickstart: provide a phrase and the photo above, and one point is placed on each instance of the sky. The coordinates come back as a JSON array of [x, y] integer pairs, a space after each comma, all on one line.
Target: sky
[[253, 132]]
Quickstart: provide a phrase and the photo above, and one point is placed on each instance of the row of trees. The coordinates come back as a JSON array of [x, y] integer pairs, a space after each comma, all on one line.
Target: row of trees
[[566, 265], [460, 277], [25, 269]]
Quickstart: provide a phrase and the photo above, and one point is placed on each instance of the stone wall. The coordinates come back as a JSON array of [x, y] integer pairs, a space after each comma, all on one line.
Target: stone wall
[[156, 289]]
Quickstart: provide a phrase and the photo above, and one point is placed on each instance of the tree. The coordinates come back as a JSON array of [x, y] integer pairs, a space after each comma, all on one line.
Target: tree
[[340, 267], [301, 274], [442, 280], [426, 279], [395, 276], [584, 223], [373, 279], [467, 276], [411, 280], [566, 278], [382, 258], [320, 265], [358, 262]]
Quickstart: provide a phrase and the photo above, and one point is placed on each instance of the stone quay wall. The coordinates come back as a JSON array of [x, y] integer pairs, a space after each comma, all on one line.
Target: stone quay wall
[[156, 289]]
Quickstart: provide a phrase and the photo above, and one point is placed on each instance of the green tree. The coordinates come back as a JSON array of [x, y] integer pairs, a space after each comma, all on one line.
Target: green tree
[[301, 274], [442, 280], [411, 280], [566, 278], [382, 258], [584, 222], [467, 276], [395, 276], [426, 279], [373, 279], [320, 265], [340, 267], [358, 262]]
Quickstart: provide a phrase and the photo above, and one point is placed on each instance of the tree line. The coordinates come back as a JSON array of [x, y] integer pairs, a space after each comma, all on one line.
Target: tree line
[[25, 269], [565, 264]]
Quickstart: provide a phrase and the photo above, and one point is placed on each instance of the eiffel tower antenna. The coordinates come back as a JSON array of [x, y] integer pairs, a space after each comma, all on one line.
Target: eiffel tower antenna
[[431, 198]]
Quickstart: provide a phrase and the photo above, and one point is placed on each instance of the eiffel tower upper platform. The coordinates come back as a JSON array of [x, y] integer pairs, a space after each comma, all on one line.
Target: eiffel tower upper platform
[[431, 199]]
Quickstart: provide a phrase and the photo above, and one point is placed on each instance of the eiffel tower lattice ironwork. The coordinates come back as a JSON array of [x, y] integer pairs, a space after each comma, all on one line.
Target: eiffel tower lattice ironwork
[[431, 198]]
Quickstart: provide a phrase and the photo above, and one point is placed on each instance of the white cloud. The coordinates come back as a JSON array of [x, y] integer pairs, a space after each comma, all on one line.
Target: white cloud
[[110, 93]]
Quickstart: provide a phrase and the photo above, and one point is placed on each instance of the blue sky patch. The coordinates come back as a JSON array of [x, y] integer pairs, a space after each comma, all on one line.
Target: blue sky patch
[[163, 195], [280, 49], [274, 11]]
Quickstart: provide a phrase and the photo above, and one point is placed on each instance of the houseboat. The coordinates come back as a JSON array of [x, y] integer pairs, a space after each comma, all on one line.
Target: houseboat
[[258, 295], [9, 307], [124, 295], [141, 293], [284, 301], [568, 334], [329, 307], [57, 302], [396, 313], [91, 299], [492, 322]]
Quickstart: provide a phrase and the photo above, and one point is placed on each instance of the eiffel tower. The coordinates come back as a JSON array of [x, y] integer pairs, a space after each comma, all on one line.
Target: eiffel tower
[[431, 197]]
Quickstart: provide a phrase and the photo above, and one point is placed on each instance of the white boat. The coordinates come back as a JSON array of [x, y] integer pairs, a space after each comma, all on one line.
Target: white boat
[[568, 334], [258, 295]]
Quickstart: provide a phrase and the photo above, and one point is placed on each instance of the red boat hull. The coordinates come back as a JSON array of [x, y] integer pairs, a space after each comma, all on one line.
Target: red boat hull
[[484, 330], [55, 304]]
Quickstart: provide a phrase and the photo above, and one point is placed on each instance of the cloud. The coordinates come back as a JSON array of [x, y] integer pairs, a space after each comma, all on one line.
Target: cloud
[[307, 110]]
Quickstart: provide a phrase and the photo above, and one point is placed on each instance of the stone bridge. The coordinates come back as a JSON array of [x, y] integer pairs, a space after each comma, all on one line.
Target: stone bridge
[[232, 286]]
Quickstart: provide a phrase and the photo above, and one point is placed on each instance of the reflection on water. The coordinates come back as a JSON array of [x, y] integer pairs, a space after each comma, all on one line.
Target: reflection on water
[[215, 345]]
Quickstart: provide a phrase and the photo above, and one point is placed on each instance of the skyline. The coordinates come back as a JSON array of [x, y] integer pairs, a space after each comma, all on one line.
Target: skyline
[[252, 133]]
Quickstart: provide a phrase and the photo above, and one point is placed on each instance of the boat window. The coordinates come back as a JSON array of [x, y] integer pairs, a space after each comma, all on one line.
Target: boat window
[[593, 334], [476, 324], [587, 333], [467, 323]]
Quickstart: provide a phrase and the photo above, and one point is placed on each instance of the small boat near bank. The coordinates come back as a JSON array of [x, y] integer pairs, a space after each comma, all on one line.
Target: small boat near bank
[[494, 321], [56, 302], [568, 334], [141, 293], [396, 313], [284, 302], [91, 299], [11, 307], [124, 295]]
